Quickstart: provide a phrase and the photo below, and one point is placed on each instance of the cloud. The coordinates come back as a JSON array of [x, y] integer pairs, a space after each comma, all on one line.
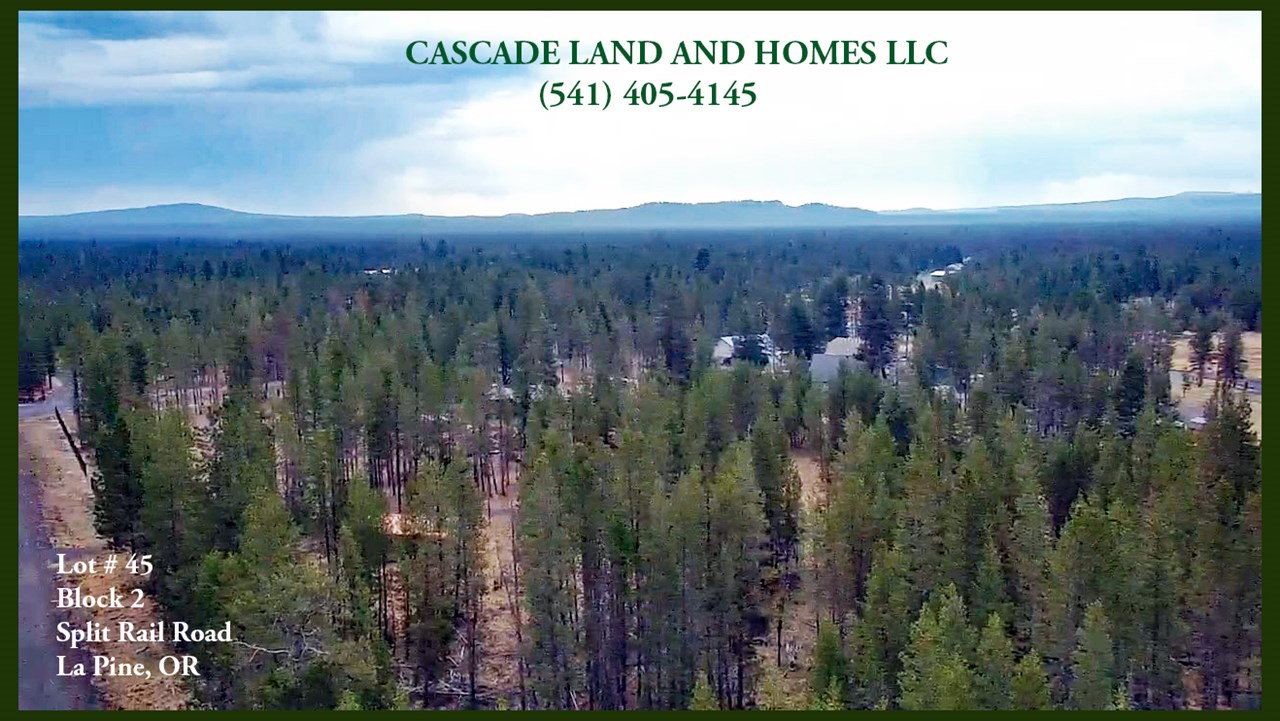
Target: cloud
[[182, 57], [874, 136], [1031, 107]]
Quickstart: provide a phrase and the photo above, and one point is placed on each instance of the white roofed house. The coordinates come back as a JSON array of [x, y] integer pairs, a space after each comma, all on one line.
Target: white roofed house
[[727, 349], [722, 354], [843, 347]]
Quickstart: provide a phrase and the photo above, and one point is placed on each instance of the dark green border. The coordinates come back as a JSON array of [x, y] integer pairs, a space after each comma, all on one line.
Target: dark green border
[[11, 361]]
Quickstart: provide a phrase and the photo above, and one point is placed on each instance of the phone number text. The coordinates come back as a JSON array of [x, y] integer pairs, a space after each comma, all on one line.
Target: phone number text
[[578, 94]]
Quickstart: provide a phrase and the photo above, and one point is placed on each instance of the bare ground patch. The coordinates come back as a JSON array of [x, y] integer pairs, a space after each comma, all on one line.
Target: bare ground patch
[[66, 498], [1193, 398], [499, 625], [1251, 341], [800, 622]]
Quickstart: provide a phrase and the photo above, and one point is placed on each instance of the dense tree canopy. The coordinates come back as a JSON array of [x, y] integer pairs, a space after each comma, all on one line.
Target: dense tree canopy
[[506, 472]]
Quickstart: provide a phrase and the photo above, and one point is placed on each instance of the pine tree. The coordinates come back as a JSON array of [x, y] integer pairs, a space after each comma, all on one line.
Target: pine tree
[[1201, 350], [936, 674], [884, 628], [736, 535], [703, 698], [987, 595], [1222, 584], [117, 488], [832, 301], [280, 610], [1030, 540], [31, 376], [1030, 686], [243, 464], [875, 327], [828, 699], [1093, 685], [441, 566], [546, 548], [829, 670], [1130, 393], [1230, 357], [799, 326], [773, 693], [994, 667], [170, 500]]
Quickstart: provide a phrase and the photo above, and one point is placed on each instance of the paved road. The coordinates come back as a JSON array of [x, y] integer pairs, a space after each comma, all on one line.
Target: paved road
[[39, 685], [60, 396]]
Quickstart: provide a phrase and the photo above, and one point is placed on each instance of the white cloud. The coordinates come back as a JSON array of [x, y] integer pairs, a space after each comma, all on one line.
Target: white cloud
[[1173, 101], [874, 135]]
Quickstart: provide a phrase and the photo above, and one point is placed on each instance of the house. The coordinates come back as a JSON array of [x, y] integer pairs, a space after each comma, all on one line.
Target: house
[[497, 393], [726, 349], [938, 274], [722, 354], [843, 347], [823, 367]]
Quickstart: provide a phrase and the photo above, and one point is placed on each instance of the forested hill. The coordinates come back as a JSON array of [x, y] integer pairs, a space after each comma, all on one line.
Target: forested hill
[[190, 220]]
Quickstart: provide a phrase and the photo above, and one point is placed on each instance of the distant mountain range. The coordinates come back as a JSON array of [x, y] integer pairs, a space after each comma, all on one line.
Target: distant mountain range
[[191, 220]]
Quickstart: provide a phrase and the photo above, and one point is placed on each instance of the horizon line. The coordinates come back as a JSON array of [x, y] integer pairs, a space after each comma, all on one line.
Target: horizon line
[[909, 210]]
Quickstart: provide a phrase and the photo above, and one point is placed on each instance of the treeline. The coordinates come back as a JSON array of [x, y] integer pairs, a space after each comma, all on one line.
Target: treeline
[[1010, 519]]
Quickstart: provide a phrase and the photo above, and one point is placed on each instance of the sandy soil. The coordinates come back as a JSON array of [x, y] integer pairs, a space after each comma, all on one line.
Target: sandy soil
[[812, 488], [1192, 400], [66, 496], [799, 628], [499, 669], [158, 692], [1251, 341], [499, 664]]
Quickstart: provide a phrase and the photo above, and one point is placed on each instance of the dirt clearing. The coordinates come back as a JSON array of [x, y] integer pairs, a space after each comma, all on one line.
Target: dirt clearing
[[1252, 342], [499, 625], [1193, 398]]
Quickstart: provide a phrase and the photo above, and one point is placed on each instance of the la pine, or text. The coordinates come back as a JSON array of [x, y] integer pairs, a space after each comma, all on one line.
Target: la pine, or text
[[110, 666]]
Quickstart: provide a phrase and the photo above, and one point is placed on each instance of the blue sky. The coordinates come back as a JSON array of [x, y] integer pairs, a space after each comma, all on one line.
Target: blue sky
[[320, 113]]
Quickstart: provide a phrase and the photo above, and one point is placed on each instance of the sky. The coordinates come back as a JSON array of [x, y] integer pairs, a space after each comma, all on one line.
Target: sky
[[322, 114]]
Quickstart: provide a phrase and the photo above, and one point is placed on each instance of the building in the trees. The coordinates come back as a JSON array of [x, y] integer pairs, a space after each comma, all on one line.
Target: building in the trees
[[843, 347], [729, 347], [824, 367]]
